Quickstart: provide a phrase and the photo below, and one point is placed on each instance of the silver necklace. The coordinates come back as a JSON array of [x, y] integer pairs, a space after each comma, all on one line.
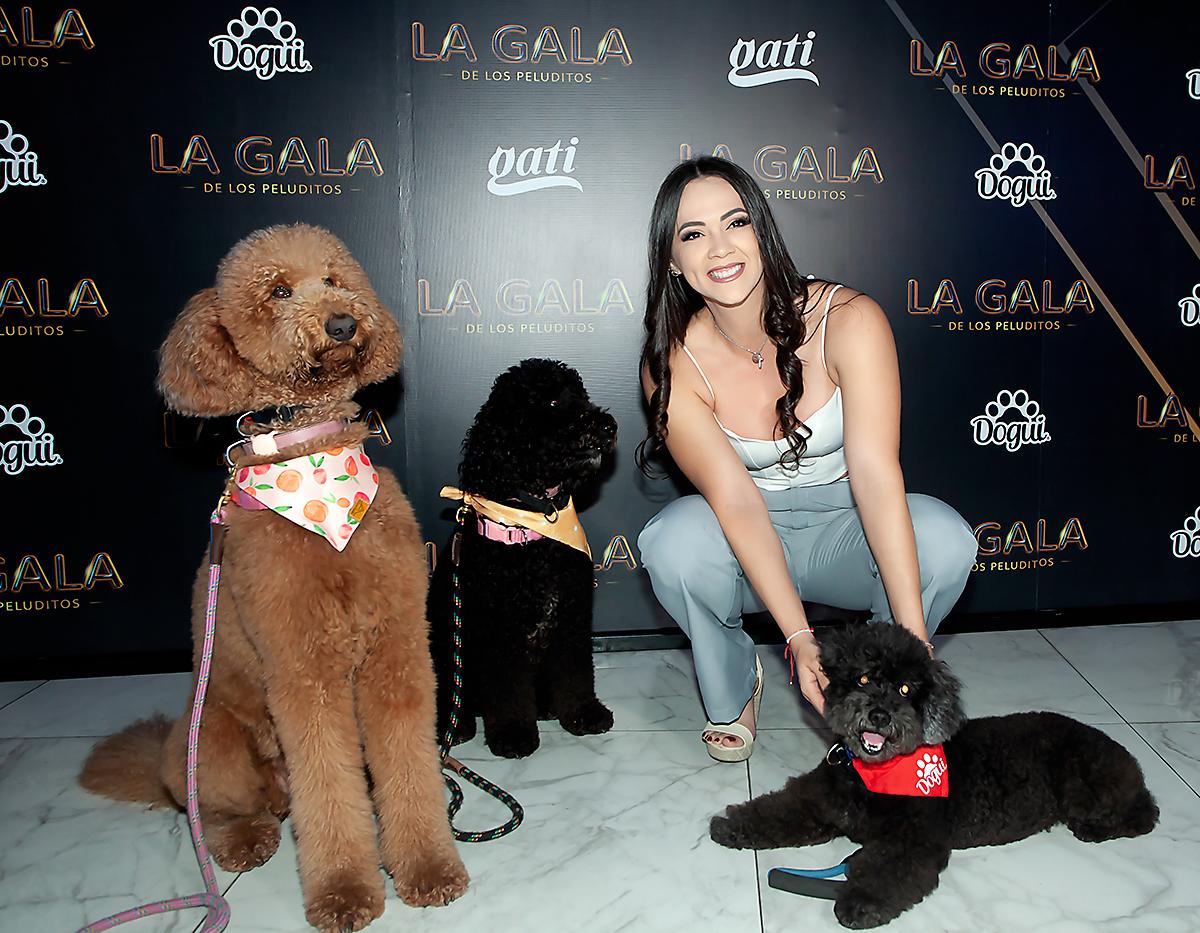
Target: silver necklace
[[756, 356]]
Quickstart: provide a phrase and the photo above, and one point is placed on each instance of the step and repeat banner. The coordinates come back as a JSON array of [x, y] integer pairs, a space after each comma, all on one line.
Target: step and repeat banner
[[1016, 187]]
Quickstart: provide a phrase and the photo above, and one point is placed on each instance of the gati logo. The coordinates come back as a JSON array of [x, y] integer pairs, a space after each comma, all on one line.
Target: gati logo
[[1189, 308], [774, 60], [1193, 83], [1186, 541], [1012, 421], [33, 449], [1010, 546], [534, 168], [266, 161], [18, 163], [1025, 71], [54, 581], [260, 42], [23, 316], [521, 45], [525, 306], [800, 168], [1015, 174], [1171, 416], [1022, 307], [37, 45]]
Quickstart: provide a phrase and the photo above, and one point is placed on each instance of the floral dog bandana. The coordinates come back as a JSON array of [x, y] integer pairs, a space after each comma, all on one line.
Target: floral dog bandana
[[328, 492]]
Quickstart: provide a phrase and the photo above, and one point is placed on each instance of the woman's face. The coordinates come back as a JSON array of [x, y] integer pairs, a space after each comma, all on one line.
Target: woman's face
[[713, 245]]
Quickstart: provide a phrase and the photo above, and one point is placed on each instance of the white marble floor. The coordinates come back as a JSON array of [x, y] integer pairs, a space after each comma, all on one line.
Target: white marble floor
[[615, 836]]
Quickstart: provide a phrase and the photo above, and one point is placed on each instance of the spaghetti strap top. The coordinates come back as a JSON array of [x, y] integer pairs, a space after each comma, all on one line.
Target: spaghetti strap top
[[824, 461]]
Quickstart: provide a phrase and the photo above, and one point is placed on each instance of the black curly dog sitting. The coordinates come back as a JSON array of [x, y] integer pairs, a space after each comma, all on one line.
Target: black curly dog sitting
[[526, 607], [1007, 777]]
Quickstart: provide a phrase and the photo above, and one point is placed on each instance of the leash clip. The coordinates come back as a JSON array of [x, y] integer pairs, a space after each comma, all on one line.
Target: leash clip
[[838, 754]]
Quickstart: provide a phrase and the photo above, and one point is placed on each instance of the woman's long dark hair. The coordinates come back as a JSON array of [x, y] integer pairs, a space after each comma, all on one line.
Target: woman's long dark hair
[[671, 303]]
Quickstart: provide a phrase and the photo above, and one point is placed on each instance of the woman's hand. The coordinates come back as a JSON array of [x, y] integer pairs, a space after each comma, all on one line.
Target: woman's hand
[[807, 658]]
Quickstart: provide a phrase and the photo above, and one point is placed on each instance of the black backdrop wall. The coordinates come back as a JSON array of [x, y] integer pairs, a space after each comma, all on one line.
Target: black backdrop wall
[[1016, 187]]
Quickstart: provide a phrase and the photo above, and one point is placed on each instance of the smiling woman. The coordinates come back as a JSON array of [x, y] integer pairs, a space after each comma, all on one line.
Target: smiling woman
[[797, 464]]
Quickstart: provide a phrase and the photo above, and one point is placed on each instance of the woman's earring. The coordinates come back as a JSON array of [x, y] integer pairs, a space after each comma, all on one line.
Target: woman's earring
[[675, 271]]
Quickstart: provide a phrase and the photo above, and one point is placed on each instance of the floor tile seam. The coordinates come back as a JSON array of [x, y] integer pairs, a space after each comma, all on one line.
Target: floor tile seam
[[1148, 744], [24, 695], [1083, 676], [1123, 719]]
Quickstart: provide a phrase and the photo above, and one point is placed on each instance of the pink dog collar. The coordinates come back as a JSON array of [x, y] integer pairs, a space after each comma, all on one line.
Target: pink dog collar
[[505, 534]]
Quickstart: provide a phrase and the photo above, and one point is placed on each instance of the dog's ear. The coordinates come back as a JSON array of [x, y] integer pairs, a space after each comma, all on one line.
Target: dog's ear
[[386, 347], [941, 712], [199, 369]]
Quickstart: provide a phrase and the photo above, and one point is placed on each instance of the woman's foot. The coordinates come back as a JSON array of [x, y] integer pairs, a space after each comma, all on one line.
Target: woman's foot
[[725, 740], [734, 741]]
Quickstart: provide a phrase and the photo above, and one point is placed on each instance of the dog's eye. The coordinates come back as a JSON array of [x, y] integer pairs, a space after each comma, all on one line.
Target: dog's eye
[[281, 291], [905, 689], [864, 680], [329, 281], [553, 403]]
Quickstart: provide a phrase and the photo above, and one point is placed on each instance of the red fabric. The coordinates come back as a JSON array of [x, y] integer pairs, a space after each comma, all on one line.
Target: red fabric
[[922, 773]]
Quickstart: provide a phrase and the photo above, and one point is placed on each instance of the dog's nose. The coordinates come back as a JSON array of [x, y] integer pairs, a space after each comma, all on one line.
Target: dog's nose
[[341, 327], [879, 717]]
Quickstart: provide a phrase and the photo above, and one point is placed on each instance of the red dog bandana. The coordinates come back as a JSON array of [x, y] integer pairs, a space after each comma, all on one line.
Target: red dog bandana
[[922, 773]]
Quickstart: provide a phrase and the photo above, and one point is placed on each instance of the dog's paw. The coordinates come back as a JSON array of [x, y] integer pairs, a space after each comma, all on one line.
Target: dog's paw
[[591, 718], [244, 842], [860, 910], [512, 741], [727, 831], [434, 883], [344, 904]]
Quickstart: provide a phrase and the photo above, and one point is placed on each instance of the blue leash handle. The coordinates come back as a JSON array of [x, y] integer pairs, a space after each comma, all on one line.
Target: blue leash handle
[[809, 882], [833, 872]]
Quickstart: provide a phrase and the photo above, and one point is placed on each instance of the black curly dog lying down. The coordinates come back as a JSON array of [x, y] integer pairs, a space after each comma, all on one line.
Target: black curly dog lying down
[[993, 781], [527, 605]]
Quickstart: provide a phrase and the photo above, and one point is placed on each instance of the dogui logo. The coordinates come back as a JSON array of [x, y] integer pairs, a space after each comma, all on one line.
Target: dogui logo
[[18, 163], [1015, 174], [260, 42], [35, 448]]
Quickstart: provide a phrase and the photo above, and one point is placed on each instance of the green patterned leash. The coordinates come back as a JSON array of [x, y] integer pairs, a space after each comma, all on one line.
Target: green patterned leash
[[456, 794]]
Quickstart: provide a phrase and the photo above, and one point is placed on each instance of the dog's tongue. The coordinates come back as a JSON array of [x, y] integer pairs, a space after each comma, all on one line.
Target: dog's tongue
[[872, 738]]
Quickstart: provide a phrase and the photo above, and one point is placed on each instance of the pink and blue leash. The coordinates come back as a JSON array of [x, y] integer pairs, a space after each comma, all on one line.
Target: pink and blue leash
[[217, 917]]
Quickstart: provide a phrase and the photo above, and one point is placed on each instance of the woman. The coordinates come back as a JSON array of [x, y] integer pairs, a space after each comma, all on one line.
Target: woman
[[782, 407]]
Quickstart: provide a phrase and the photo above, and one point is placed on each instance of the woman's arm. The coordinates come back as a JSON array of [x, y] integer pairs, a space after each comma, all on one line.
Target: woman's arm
[[704, 454], [862, 357]]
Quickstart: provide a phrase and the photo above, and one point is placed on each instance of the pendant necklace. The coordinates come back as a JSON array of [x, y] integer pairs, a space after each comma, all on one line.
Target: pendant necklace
[[756, 356]]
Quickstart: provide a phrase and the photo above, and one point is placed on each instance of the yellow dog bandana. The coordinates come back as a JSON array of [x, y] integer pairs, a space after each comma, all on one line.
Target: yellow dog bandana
[[327, 492], [564, 529]]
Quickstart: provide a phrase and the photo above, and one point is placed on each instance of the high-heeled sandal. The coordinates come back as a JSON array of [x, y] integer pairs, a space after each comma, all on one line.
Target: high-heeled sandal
[[736, 729]]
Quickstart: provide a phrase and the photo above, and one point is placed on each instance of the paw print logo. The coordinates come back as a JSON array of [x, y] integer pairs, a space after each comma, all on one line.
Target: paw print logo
[[1011, 154], [34, 448], [927, 764], [1016, 174], [1011, 421], [18, 163], [930, 769], [261, 42], [1189, 308], [1185, 542]]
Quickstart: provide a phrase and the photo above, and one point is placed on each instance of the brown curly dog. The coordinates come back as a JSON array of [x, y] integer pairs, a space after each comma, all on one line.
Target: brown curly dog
[[320, 656]]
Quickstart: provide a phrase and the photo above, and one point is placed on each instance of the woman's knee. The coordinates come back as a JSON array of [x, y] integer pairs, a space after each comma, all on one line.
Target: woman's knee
[[683, 539], [946, 545]]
